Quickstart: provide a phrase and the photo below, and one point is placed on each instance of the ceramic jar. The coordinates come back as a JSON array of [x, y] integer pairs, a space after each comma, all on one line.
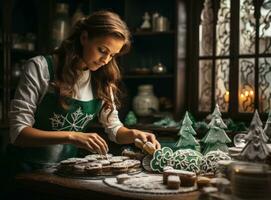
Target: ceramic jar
[[145, 103]]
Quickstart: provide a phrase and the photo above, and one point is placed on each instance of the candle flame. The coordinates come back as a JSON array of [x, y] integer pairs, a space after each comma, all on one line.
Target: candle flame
[[246, 93]]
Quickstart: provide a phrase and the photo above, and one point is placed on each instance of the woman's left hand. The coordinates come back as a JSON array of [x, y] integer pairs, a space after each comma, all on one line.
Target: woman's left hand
[[145, 137]]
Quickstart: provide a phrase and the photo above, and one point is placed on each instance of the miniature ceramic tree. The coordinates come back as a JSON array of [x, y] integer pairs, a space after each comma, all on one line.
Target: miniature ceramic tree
[[215, 139], [256, 150], [187, 140], [267, 128], [130, 119], [216, 119], [256, 122]]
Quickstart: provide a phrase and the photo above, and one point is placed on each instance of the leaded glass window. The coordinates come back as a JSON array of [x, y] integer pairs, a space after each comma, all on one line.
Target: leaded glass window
[[234, 56], [222, 48]]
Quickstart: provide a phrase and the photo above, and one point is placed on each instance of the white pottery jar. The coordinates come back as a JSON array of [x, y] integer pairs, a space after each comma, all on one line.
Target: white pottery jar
[[145, 102]]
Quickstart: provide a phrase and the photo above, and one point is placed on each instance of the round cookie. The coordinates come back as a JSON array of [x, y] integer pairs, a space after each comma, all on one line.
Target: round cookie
[[68, 165], [209, 162], [188, 160], [149, 148], [118, 168], [115, 160], [132, 163], [106, 170], [78, 169], [68, 161], [122, 177], [121, 157], [146, 163], [91, 158], [93, 168], [103, 162], [81, 160], [132, 154]]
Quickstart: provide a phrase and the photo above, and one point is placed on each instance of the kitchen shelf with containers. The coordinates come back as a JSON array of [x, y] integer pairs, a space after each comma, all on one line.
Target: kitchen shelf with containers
[[153, 58]]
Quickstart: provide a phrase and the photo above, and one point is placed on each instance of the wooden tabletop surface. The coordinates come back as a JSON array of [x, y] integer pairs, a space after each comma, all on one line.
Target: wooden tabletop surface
[[47, 183]]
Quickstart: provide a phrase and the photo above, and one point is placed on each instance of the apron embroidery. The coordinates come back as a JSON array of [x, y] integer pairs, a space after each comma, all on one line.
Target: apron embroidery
[[75, 121]]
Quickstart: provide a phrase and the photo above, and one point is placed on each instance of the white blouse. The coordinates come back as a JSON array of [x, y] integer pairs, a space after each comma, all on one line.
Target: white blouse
[[33, 86]]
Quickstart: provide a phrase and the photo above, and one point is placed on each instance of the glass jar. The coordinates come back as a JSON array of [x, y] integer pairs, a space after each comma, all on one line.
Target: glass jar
[[61, 24], [145, 103]]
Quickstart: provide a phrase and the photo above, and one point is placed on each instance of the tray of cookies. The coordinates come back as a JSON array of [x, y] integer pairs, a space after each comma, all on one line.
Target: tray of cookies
[[97, 166], [171, 182]]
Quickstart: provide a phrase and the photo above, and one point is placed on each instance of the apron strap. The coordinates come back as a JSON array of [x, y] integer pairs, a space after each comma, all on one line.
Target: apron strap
[[49, 61]]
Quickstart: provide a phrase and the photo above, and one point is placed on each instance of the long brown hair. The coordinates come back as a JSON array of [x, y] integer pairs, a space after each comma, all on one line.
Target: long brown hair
[[104, 80]]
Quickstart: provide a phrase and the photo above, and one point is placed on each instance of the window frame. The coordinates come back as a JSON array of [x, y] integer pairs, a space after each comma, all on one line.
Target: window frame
[[194, 9]]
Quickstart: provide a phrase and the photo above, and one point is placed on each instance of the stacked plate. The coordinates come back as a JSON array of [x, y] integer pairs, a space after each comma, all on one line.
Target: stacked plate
[[251, 181]]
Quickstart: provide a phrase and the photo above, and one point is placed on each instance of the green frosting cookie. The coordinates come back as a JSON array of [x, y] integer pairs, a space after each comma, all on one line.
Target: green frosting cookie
[[162, 158], [187, 159]]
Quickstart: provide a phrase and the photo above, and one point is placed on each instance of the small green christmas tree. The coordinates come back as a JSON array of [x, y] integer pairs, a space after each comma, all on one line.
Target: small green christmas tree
[[130, 119], [216, 119], [215, 139], [267, 128], [187, 140], [256, 122]]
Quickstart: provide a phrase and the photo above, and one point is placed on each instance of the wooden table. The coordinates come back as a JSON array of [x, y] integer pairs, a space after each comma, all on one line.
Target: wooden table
[[45, 185]]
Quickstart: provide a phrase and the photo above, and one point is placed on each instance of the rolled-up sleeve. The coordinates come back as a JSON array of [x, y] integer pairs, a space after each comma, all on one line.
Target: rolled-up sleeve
[[31, 88], [113, 123]]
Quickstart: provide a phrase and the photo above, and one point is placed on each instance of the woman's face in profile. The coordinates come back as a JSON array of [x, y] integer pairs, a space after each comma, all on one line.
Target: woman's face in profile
[[99, 51]]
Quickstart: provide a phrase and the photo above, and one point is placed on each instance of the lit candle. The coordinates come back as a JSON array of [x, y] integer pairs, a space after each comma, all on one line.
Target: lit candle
[[246, 93], [226, 96]]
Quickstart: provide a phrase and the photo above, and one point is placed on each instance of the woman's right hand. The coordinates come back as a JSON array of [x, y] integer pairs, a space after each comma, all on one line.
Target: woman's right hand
[[89, 141]]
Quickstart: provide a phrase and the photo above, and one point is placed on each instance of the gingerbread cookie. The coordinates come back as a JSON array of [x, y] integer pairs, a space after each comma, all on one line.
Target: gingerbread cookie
[[121, 178], [93, 168], [147, 146], [187, 178], [173, 182], [96, 165], [118, 168]]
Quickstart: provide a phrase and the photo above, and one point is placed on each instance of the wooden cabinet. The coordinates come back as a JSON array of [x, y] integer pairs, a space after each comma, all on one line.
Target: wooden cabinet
[[23, 35], [149, 47]]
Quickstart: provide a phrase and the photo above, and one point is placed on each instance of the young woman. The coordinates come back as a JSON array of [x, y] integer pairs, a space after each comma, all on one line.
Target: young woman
[[59, 94]]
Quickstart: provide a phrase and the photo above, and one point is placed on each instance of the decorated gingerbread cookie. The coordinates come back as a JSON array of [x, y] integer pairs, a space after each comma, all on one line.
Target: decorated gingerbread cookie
[[188, 160], [209, 162], [162, 158], [98, 165]]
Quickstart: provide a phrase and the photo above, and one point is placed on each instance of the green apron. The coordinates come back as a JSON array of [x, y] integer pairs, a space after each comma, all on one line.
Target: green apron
[[50, 116]]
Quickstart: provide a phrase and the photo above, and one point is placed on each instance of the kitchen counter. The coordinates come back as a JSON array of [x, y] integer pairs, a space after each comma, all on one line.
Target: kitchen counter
[[47, 185]]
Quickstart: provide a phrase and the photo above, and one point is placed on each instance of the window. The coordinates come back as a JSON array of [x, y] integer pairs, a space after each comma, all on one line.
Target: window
[[233, 59]]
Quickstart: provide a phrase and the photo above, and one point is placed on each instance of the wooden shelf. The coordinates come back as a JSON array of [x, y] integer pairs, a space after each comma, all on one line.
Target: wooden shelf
[[149, 76], [24, 52], [153, 33], [154, 129], [146, 127]]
